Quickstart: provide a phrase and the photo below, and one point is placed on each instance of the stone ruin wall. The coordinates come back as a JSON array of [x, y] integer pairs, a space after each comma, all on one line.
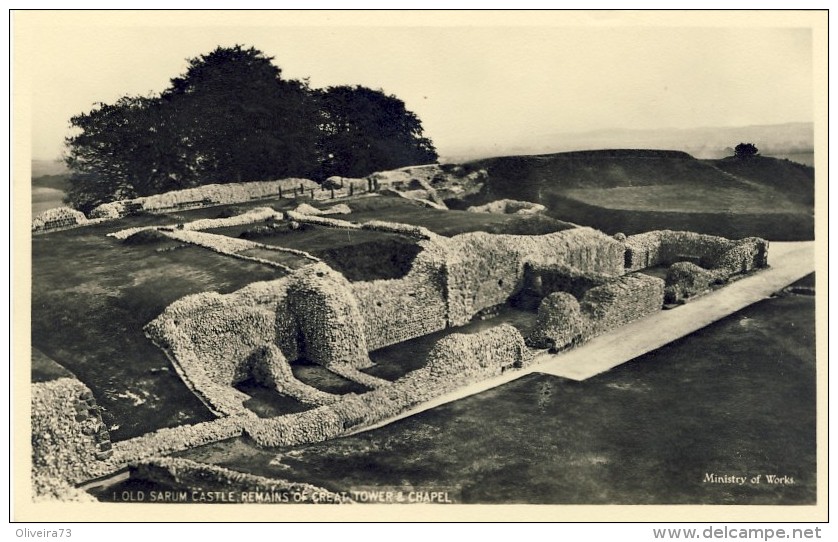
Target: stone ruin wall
[[622, 301], [665, 247], [57, 218], [212, 337], [69, 439], [485, 270], [454, 361], [563, 321], [397, 310], [545, 279], [488, 352], [560, 322], [685, 280], [318, 314], [321, 320], [315, 313], [696, 261], [508, 207], [269, 367]]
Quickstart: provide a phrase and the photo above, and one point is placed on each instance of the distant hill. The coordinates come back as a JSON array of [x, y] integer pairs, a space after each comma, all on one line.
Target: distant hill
[[795, 181], [41, 168], [635, 190], [57, 182], [794, 138]]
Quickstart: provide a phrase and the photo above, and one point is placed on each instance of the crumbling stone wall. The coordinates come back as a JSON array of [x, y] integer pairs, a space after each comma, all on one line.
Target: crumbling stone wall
[[665, 247], [508, 207], [396, 310], [269, 368], [492, 350], [339, 209], [564, 321], [319, 220], [560, 323], [212, 336], [484, 270], [746, 255], [110, 210], [68, 439], [455, 361], [205, 195], [327, 326], [621, 301], [545, 279], [57, 218], [686, 279]]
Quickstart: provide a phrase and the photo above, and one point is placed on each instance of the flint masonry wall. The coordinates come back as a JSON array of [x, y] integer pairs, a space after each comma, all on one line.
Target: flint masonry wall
[[485, 270], [564, 321], [546, 279], [57, 218], [396, 310], [68, 439], [665, 247], [454, 361], [560, 322], [621, 301], [269, 368], [492, 350], [322, 321], [209, 194], [212, 336], [686, 279]]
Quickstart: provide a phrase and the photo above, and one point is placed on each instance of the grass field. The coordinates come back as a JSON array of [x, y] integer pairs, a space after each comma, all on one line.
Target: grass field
[[685, 199], [449, 222], [736, 398], [632, 191]]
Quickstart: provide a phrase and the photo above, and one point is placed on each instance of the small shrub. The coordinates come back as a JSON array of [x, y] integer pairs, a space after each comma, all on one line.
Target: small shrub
[[145, 237], [231, 211], [670, 295], [273, 229]]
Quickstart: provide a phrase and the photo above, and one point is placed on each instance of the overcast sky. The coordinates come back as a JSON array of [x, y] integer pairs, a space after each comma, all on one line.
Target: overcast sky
[[470, 86]]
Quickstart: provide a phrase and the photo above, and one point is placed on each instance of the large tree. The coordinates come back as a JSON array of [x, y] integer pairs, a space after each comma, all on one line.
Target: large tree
[[243, 122], [365, 130], [230, 117], [127, 149]]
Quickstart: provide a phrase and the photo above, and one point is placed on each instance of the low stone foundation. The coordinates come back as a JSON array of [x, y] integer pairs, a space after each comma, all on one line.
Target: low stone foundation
[[57, 219], [68, 439], [508, 207]]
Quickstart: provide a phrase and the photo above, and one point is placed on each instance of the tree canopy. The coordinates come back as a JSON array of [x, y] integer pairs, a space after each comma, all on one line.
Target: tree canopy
[[745, 150], [231, 117], [365, 130]]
